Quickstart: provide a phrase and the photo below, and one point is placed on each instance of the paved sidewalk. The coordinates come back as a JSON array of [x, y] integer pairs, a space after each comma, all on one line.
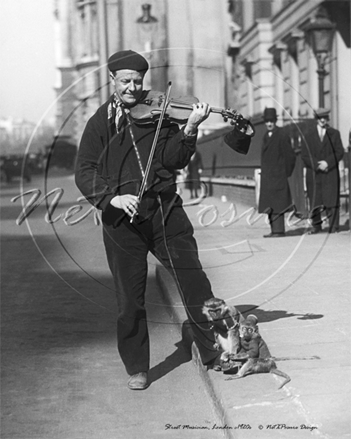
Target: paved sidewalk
[[299, 288], [61, 376]]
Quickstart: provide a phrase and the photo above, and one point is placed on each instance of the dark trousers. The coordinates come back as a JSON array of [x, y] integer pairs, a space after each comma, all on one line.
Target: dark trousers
[[174, 246], [333, 215], [276, 222]]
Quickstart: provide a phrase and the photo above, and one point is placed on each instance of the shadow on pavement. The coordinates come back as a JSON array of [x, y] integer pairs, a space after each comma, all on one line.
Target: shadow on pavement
[[273, 315], [180, 356]]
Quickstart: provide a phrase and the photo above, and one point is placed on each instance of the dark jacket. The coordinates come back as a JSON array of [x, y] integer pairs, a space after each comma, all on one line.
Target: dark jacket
[[322, 187], [277, 164], [107, 164]]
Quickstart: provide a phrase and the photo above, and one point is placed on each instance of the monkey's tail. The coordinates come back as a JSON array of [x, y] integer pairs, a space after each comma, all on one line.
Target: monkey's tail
[[281, 374], [308, 358]]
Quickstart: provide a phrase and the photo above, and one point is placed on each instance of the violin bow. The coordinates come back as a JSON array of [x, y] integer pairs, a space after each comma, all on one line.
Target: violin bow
[[153, 148]]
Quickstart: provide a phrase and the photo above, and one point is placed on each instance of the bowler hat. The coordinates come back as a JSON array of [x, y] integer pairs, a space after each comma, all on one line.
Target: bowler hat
[[127, 59], [270, 114], [322, 113]]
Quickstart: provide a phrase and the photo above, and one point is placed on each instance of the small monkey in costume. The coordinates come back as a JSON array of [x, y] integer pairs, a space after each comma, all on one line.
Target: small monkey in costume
[[254, 352]]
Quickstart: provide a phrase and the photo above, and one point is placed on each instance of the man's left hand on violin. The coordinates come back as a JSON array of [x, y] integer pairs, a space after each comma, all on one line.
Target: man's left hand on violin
[[200, 112]]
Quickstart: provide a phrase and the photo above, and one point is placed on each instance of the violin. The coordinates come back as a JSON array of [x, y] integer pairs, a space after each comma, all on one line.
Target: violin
[[149, 109], [155, 106]]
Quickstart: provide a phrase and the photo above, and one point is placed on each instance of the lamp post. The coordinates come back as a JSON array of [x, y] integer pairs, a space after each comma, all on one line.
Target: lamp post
[[104, 77], [321, 32], [149, 35]]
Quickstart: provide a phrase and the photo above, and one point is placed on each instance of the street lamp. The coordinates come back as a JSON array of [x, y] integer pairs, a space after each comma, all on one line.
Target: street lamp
[[321, 32]]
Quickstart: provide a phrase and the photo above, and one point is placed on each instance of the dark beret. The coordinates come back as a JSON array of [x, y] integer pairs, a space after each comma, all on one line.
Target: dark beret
[[127, 59], [270, 114]]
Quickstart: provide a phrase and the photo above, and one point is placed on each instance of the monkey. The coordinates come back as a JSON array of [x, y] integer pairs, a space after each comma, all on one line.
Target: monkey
[[244, 351], [224, 321], [251, 341], [254, 353]]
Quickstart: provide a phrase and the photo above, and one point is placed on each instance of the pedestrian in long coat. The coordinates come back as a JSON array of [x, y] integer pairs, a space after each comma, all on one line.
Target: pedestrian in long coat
[[321, 154], [277, 164], [194, 171]]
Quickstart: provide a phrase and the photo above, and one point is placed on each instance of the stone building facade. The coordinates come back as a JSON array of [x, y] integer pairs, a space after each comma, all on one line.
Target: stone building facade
[[243, 54], [185, 41], [276, 66]]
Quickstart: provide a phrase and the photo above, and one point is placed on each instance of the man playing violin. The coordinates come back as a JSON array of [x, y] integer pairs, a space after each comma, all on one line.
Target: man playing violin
[[112, 159]]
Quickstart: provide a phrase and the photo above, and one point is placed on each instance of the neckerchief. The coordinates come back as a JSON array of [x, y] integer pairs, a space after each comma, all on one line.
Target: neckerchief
[[116, 107]]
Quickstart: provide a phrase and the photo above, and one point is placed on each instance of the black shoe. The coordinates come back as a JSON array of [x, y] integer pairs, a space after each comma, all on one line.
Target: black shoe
[[275, 235]]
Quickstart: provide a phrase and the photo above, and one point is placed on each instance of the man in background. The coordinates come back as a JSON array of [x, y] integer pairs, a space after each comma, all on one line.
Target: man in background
[[321, 154], [194, 170], [277, 164]]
